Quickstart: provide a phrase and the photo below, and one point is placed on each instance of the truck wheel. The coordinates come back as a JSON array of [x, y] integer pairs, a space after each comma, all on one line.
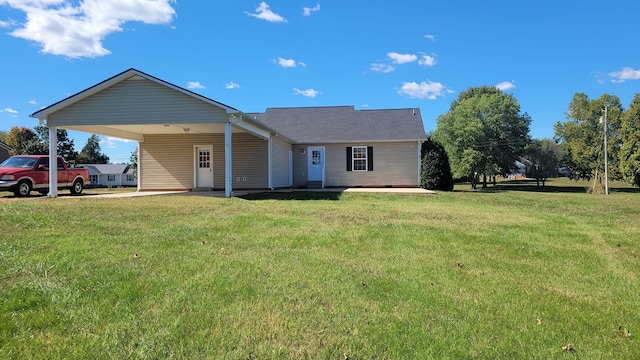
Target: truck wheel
[[76, 189], [23, 189]]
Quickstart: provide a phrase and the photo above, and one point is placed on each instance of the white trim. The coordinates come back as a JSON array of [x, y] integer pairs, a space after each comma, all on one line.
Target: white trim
[[139, 167], [290, 168], [228, 176], [419, 161], [270, 162]]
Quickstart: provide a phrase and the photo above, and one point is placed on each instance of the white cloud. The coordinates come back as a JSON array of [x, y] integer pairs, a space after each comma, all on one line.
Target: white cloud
[[506, 85], [430, 37], [383, 68], [32, 102], [10, 111], [7, 24], [626, 73], [308, 93], [63, 28], [427, 60], [286, 63], [194, 85], [424, 90], [307, 11], [264, 12], [402, 58], [231, 85]]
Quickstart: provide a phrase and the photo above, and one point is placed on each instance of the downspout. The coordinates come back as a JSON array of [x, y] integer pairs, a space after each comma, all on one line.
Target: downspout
[[53, 163]]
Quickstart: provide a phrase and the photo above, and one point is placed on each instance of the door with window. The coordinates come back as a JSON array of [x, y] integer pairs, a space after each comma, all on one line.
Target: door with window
[[316, 164], [204, 166]]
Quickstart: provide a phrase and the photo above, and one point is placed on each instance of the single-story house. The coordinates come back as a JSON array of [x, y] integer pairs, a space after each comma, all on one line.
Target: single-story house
[[5, 151], [187, 141], [111, 174]]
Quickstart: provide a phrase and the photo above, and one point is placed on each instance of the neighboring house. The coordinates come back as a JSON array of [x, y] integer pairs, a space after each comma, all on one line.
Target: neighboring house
[[187, 141], [111, 174], [5, 151]]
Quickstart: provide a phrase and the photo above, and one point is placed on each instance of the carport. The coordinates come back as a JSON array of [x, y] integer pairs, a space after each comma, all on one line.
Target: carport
[[136, 106]]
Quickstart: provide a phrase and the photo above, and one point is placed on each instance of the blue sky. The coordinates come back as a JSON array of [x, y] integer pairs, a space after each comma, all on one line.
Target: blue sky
[[252, 55]]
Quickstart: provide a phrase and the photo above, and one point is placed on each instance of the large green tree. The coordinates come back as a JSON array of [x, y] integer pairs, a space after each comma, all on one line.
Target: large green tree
[[630, 138], [25, 141], [542, 160], [91, 152], [66, 147], [581, 138], [483, 133]]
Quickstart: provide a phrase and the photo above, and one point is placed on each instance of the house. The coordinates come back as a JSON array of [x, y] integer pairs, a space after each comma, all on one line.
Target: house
[[187, 141], [111, 174], [5, 151]]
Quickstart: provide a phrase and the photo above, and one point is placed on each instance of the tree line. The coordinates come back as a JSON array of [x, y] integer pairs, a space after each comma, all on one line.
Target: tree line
[[24, 140], [484, 134]]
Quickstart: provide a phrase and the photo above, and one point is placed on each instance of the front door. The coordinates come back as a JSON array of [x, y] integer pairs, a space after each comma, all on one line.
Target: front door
[[316, 164], [204, 168]]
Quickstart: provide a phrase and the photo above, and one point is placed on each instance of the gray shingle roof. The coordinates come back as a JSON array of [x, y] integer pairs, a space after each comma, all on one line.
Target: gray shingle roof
[[344, 124], [106, 169]]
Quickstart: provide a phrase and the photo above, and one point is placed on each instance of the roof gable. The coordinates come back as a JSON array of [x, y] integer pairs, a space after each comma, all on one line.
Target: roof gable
[[116, 79], [344, 124]]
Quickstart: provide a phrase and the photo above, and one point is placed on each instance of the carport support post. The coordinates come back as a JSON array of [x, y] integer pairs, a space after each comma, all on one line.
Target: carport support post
[[53, 162], [228, 176]]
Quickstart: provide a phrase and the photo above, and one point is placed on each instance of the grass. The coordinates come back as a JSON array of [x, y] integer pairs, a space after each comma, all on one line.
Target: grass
[[508, 272]]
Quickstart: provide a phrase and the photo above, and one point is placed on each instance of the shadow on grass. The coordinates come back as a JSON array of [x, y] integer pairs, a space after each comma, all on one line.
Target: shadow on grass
[[529, 185], [294, 195]]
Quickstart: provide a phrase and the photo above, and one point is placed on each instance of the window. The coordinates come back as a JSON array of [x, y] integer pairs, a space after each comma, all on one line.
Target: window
[[130, 177], [111, 178], [93, 179], [359, 158]]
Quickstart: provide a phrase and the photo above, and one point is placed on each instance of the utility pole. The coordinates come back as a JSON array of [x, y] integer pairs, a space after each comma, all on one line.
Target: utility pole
[[606, 167]]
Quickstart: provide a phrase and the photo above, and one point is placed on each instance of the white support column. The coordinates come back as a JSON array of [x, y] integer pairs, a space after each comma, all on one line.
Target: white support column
[[53, 163], [270, 162], [139, 167], [228, 176]]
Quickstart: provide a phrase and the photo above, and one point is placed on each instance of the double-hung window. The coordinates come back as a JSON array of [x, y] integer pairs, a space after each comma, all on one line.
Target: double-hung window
[[359, 158]]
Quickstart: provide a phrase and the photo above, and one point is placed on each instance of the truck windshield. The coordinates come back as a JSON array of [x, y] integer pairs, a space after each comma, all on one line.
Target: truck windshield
[[19, 162]]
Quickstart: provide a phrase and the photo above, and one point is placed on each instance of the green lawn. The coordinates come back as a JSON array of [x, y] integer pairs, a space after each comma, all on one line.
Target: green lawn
[[510, 272]]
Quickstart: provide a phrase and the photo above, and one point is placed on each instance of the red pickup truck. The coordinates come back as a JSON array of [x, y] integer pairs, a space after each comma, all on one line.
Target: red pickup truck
[[23, 173]]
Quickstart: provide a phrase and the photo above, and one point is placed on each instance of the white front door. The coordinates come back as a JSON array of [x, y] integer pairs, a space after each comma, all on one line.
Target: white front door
[[316, 164], [204, 168]]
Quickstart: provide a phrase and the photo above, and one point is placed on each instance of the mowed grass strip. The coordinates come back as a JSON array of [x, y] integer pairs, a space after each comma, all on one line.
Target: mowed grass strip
[[493, 274]]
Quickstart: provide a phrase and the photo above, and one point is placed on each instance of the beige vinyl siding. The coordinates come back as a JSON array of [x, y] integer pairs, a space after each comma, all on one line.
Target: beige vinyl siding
[[137, 101], [280, 162], [394, 164], [250, 162], [167, 161], [300, 166]]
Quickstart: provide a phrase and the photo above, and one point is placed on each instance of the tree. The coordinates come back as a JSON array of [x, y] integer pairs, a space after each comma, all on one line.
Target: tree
[[582, 138], [91, 152], [436, 170], [133, 162], [542, 157], [65, 144], [483, 133], [25, 141], [630, 138], [3, 136]]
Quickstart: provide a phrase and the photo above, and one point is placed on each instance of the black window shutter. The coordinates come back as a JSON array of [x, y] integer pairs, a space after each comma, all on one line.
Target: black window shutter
[[369, 158], [349, 155]]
